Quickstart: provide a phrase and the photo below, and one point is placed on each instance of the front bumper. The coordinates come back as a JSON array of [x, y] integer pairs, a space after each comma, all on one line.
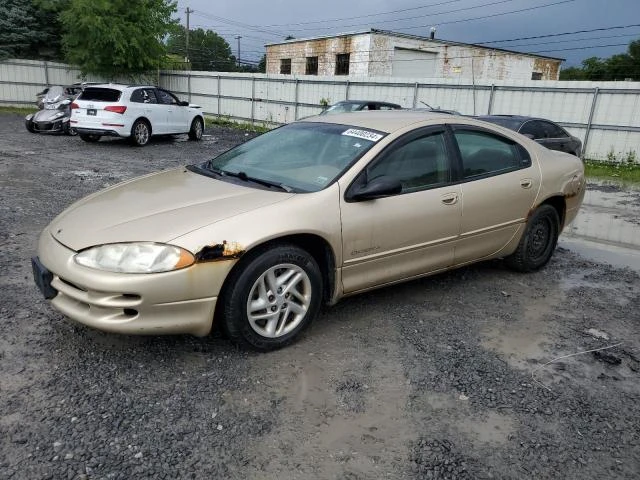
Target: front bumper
[[178, 302], [56, 126]]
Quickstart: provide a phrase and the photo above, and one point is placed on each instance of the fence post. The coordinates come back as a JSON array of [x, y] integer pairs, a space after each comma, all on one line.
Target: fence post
[[493, 89], [295, 108], [346, 90], [189, 85], [218, 95], [46, 73], [590, 121], [415, 95], [253, 100]]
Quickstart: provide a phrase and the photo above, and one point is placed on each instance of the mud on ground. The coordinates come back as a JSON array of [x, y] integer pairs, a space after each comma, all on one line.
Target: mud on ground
[[444, 377]]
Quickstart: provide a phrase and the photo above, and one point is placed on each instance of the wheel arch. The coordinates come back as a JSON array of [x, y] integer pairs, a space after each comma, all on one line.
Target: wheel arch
[[317, 246], [560, 204], [146, 120]]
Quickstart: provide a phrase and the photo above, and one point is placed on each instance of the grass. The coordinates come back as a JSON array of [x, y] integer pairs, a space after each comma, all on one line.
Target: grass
[[18, 110], [628, 172], [227, 122]]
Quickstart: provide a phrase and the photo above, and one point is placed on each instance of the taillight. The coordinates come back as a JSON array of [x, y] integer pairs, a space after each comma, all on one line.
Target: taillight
[[116, 109], [74, 105]]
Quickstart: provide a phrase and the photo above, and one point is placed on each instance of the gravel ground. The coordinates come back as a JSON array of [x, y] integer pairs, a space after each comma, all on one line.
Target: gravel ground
[[445, 377]]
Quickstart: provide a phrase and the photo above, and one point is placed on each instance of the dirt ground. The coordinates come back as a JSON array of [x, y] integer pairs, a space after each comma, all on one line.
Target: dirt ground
[[478, 373]]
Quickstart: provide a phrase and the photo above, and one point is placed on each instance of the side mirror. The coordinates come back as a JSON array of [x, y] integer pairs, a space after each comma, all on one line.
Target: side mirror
[[379, 187], [183, 104], [65, 102]]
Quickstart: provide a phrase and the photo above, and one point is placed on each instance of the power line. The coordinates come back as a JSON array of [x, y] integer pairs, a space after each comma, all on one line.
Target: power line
[[561, 34], [364, 16]]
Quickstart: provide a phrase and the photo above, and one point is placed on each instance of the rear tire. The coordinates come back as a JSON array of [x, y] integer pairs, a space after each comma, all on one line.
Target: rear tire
[[197, 127], [90, 137], [271, 297], [140, 133], [538, 241], [68, 130]]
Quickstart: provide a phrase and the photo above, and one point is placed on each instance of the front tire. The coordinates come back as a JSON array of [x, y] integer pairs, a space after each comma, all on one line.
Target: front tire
[[30, 127], [197, 127], [271, 297], [140, 133], [538, 241], [90, 137]]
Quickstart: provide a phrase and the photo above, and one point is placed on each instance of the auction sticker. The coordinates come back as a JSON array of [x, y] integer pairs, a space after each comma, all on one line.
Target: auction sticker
[[364, 134]]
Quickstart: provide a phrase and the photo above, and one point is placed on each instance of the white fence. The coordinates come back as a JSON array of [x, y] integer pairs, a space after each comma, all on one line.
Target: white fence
[[605, 115]]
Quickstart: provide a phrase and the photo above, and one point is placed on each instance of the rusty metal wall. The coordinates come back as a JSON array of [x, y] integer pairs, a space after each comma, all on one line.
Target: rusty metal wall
[[606, 114]]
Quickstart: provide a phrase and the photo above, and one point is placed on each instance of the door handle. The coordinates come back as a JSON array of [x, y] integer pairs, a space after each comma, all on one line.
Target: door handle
[[526, 183], [449, 198]]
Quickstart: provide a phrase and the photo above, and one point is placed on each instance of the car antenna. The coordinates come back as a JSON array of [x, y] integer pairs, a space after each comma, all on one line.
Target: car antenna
[[429, 106]]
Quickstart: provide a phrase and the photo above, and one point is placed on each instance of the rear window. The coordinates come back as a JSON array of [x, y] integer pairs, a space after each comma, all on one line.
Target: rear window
[[100, 94]]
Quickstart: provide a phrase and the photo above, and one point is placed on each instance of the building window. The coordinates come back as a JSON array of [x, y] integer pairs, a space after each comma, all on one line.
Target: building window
[[342, 64], [312, 66], [285, 66], [536, 76]]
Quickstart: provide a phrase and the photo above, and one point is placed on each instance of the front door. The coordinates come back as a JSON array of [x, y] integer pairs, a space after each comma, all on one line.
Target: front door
[[407, 234]]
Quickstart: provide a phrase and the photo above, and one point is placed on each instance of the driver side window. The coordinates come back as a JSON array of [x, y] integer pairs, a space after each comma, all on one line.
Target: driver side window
[[165, 98], [418, 164]]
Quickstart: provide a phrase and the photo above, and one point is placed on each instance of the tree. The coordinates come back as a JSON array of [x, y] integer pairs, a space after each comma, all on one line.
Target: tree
[[616, 67], [18, 28], [208, 51], [262, 66], [115, 38]]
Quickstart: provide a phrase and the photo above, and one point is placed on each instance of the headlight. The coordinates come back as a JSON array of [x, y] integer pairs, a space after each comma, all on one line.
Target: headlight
[[135, 258]]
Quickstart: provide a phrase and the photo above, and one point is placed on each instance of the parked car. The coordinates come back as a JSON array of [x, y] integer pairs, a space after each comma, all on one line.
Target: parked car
[[133, 111], [258, 237], [359, 105], [543, 131], [55, 113]]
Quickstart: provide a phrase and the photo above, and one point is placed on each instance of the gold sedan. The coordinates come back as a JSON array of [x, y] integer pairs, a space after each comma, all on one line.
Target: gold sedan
[[259, 237]]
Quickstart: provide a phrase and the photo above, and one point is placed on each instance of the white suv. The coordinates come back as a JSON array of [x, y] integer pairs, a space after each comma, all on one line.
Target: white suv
[[133, 111]]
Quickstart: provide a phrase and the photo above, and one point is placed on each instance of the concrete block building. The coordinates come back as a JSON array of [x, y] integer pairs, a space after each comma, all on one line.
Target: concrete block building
[[380, 53]]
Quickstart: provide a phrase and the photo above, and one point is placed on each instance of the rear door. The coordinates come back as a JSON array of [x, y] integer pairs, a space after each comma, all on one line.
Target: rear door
[[408, 234], [499, 186], [144, 103]]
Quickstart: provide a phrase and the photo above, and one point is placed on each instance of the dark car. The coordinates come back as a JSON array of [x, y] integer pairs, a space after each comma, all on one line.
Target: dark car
[[358, 105], [543, 131]]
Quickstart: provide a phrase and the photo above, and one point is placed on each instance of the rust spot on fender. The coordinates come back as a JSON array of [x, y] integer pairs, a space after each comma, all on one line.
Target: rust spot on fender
[[218, 252]]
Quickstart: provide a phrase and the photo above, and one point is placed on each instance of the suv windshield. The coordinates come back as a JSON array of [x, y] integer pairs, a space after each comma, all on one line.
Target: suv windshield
[[304, 157]]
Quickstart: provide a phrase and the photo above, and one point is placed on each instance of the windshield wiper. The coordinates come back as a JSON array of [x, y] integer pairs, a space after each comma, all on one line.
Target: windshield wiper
[[246, 178]]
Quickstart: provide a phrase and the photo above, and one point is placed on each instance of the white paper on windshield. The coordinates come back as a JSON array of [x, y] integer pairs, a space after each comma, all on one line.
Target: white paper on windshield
[[364, 134]]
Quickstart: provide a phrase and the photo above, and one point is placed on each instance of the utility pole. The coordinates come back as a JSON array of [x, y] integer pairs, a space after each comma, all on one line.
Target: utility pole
[[188, 11], [238, 37]]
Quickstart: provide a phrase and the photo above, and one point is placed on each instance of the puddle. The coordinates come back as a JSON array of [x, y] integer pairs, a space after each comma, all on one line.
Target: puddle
[[607, 229]]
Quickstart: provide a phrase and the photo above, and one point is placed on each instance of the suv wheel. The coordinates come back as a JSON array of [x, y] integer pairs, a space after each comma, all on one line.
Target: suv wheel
[[140, 133], [195, 133]]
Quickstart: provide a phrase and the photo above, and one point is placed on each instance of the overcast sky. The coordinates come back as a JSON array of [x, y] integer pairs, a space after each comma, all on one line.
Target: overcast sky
[[260, 22]]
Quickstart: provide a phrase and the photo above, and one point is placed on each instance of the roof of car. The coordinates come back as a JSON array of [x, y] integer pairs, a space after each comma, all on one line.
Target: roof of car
[[522, 118], [364, 101], [381, 120], [118, 86]]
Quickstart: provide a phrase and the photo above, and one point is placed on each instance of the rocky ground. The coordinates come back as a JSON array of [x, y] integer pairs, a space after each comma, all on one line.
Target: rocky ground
[[478, 373]]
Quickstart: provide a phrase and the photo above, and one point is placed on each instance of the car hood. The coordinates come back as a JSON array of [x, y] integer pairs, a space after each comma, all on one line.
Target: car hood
[[157, 208]]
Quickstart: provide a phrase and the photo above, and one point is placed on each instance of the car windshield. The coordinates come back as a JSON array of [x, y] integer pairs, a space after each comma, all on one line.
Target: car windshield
[[54, 93], [302, 157], [506, 122]]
